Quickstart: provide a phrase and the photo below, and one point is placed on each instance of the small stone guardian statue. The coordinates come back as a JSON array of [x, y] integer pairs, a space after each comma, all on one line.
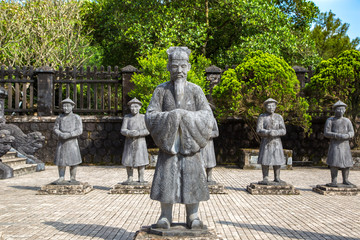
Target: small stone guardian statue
[[270, 127], [340, 130], [208, 153], [68, 126], [135, 153]]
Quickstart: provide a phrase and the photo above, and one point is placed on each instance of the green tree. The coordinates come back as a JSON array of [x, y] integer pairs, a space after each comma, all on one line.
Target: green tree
[[154, 72], [330, 36], [260, 76], [38, 32], [337, 79], [223, 31]]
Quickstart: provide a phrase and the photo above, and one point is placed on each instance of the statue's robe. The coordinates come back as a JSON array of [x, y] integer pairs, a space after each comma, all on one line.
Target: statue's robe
[[271, 150], [180, 174], [208, 152], [135, 152], [68, 151], [339, 154]]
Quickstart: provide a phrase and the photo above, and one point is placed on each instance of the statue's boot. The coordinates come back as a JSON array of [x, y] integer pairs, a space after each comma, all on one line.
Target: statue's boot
[[130, 173], [166, 216], [141, 172], [334, 174], [265, 172], [61, 179], [192, 219], [345, 175], [209, 174], [277, 174], [73, 174]]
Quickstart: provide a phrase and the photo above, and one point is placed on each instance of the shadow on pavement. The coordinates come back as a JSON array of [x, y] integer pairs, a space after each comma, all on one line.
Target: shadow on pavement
[[27, 188], [102, 188], [235, 188], [92, 230], [285, 232]]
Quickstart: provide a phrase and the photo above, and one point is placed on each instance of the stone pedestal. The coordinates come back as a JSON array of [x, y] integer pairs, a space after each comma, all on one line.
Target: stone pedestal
[[65, 189], [131, 188], [216, 188], [177, 231], [344, 190], [280, 189], [249, 158]]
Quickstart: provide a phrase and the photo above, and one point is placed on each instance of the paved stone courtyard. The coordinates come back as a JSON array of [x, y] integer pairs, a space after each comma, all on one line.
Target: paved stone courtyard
[[236, 215]]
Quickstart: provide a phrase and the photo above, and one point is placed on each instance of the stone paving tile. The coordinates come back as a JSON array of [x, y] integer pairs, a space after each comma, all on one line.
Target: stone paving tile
[[236, 215]]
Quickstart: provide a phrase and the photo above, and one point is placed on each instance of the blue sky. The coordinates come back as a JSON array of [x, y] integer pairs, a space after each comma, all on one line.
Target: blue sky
[[347, 10]]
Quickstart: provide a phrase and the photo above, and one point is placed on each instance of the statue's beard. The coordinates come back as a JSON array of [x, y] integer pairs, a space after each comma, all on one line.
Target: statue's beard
[[179, 90]]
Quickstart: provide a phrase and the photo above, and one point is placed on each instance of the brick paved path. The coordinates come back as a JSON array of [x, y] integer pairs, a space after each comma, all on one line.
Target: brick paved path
[[236, 215]]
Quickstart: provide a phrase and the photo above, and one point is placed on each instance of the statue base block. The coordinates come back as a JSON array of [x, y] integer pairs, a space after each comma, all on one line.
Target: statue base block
[[279, 189], [65, 189], [136, 188], [177, 231], [216, 188], [351, 190]]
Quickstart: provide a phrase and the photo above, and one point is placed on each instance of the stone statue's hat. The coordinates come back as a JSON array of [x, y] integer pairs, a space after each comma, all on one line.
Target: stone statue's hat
[[178, 53], [67, 100], [339, 104], [270, 100], [134, 101]]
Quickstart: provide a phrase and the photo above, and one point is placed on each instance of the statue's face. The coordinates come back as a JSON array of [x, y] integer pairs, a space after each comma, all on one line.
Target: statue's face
[[135, 108], [67, 108], [339, 111], [179, 69], [270, 107]]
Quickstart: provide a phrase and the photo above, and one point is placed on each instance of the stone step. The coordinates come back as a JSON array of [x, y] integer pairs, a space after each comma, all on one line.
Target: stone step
[[13, 162], [9, 155], [24, 169]]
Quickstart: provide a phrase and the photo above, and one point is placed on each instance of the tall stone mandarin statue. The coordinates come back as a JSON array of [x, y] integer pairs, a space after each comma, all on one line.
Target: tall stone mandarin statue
[[208, 153], [340, 130], [178, 120], [135, 153], [68, 126], [270, 127]]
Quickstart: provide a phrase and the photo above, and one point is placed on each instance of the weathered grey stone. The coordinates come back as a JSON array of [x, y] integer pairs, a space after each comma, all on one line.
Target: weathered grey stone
[[65, 189], [135, 153], [270, 127], [340, 190], [176, 232], [282, 189], [67, 128], [249, 159], [179, 168], [216, 188], [131, 188], [339, 130]]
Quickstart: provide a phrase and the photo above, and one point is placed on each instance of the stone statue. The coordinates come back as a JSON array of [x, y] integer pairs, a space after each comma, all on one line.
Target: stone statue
[[208, 153], [5, 144], [339, 129], [178, 120], [270, 127], [135, 153], [68, 126]]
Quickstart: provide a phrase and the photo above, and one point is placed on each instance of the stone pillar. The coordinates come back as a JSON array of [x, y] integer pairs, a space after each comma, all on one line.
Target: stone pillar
[[45, 85], [301, 75], [213, 75], [127, 72], [3, 95]]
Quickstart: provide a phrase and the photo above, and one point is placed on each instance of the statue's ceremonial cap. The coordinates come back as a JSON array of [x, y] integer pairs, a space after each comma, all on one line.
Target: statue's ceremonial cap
[[134, 101], [339, 104], [270, 100], [178, 53], [67, 100]]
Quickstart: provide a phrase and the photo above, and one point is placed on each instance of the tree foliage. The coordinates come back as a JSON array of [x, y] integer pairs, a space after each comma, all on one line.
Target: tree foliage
[[260, 76], [154, 72], [330, 36], [38, 32], [223, 31]]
